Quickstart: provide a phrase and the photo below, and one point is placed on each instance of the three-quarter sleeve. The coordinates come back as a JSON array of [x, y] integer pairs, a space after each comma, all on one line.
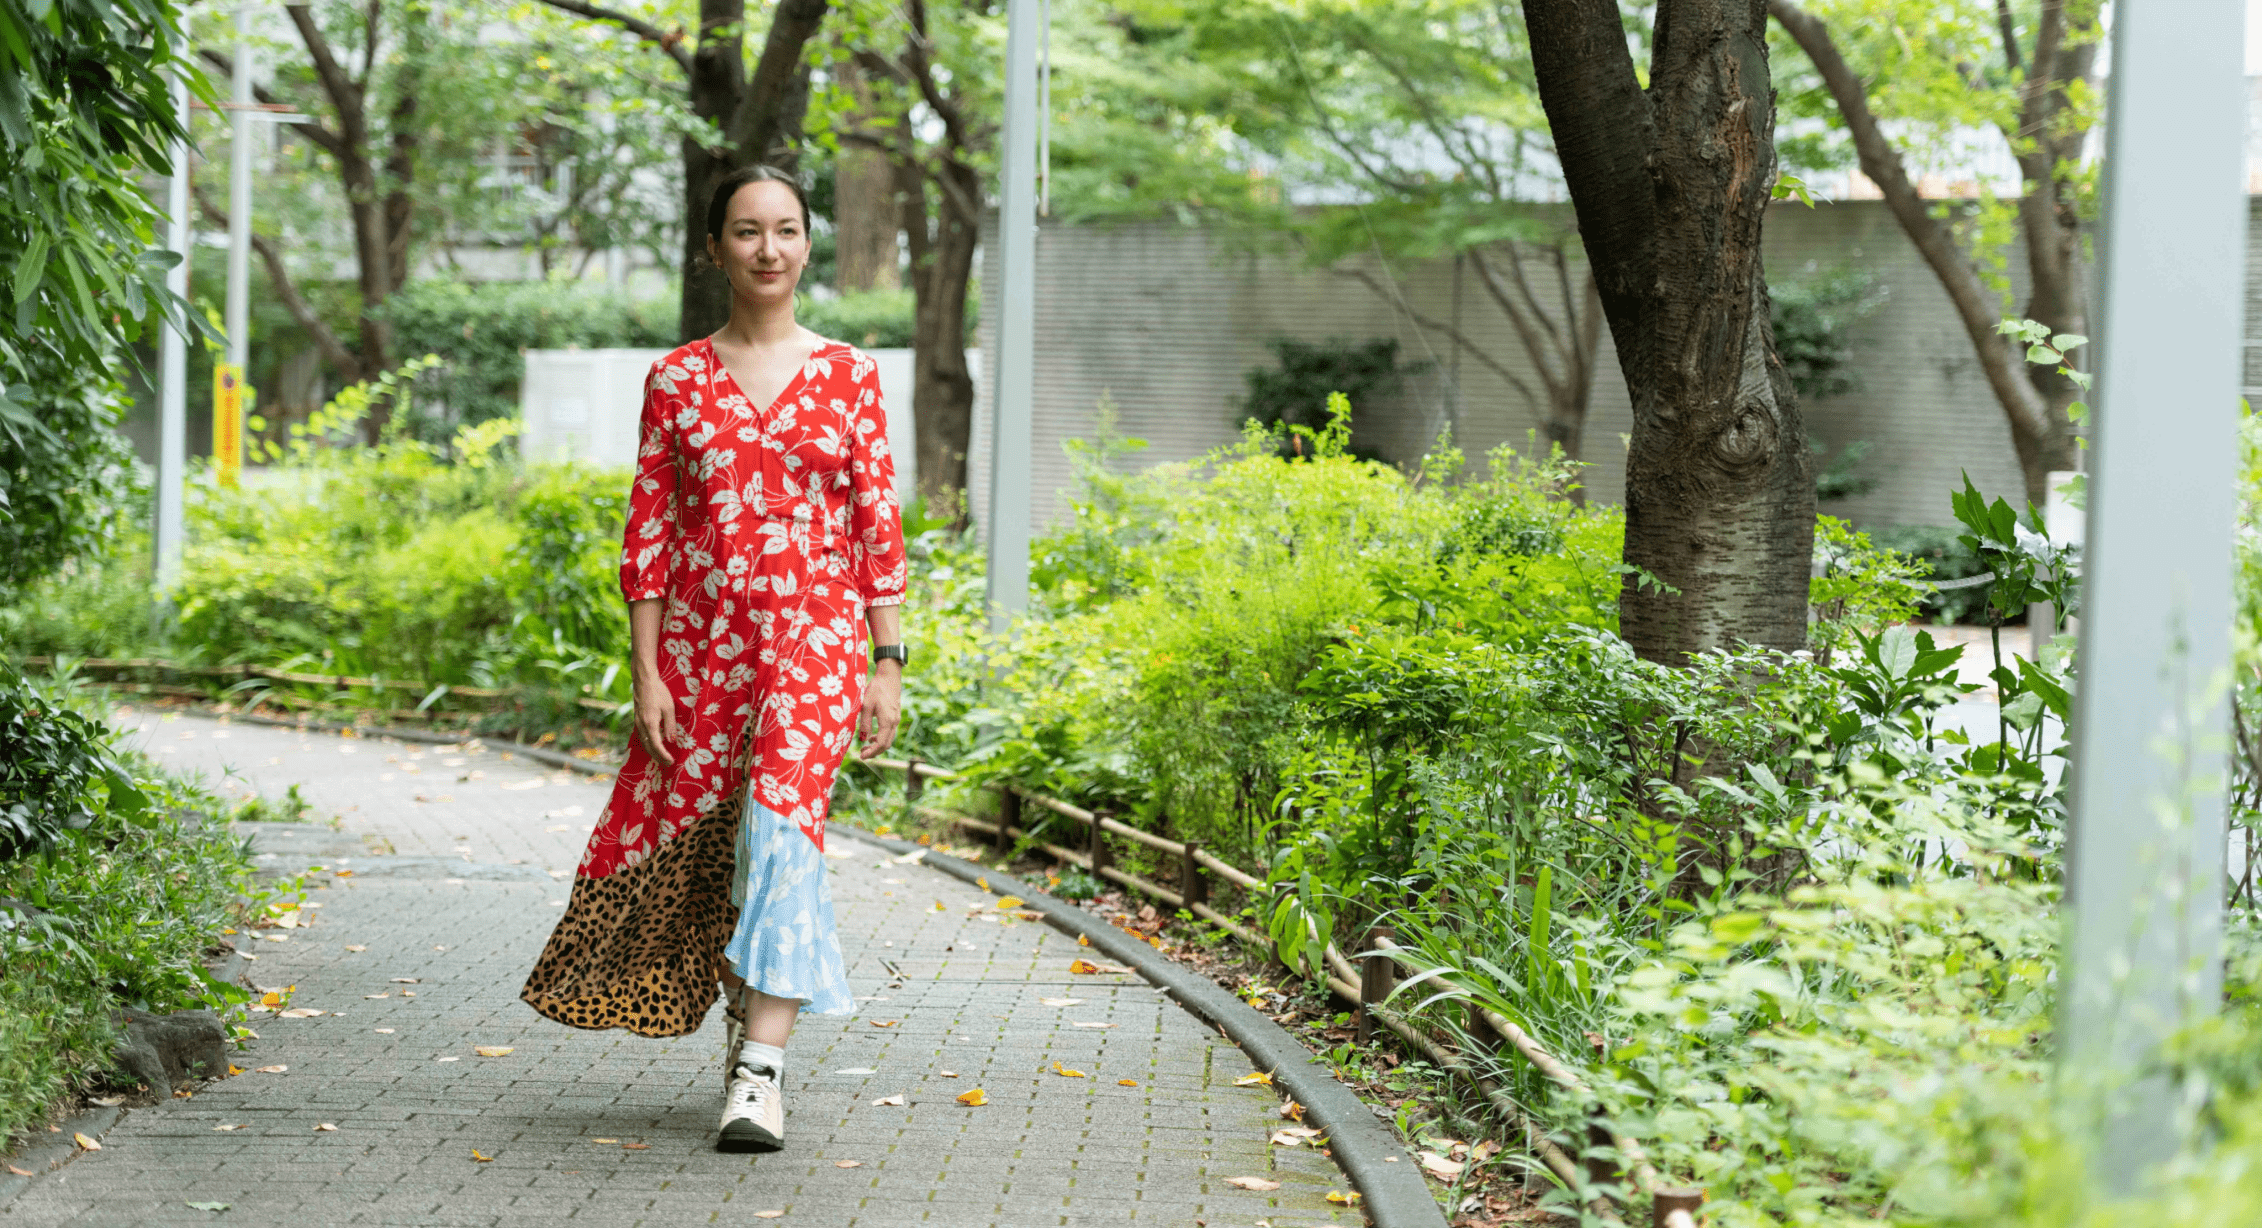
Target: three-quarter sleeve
[[647, 557], [875, 517]]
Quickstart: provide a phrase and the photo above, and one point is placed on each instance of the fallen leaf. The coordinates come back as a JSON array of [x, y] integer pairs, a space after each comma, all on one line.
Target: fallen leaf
[[408, 993], [1059, 1069], [769, 1214], [273, 1069], [1294, 1135], [1156, 943], [1291, 1110], [408, 980], [941, 907], [857, 1070], [889, 1102], [343, 873], [86, 1144], [238, 1126], [1062, 1001], [493, 1050], [948, 1074], [483, 1159], [885, 1023], [1441, 1166], [973, 1099], [604, 1140], [1082, 967], [21, 1172], [1082, 1024], [1127, 1083], [1484, 1151], [235, 1070], [1253, 1183], [636, 1146], [1083, 940], [373, 996], [273, 997], [299, 1012], [1261, 1078], [911, 858], [357, 948], [328, 1127], [1342, 1199], [200, 1206], [1006, 903], [227, 931], [383, 1031], [1029, 914], [848, 1163], [983, 883], [108, 1102], [448, 1059]]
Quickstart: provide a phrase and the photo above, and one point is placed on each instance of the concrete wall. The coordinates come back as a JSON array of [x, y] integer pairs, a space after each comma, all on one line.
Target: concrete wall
[[1165, 321]]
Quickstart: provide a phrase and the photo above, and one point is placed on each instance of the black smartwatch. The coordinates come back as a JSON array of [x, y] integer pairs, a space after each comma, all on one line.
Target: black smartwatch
[[891, 652]]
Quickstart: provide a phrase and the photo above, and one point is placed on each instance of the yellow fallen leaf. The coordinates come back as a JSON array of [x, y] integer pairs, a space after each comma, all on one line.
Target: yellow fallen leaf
[[636, 1146], [941, 907], [343, 873], [1083, 940], [273, 1069], [1342, 1199], [1127, 1083], [983, 883], [885, 1023], [1156, 943], [1082, 967], [85, 1143], [769, 1215], [607, 1141], [483, 1159], [234, 1069], [1253, 1183], [1484, 1151], [1261, 1078], [326, 1126], [1007, 902], [493, 1050], [973, 1099], [271, 998], [1029, 914], [1064, 1071], [848, 1163], [1291, 1110], [227, 931]]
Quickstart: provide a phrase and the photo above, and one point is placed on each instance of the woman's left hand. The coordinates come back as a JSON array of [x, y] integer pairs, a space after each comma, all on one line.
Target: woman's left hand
[[883, 707]]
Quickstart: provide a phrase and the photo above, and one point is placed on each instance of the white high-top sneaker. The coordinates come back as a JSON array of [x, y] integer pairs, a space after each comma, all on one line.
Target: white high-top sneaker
[[753, 1111]]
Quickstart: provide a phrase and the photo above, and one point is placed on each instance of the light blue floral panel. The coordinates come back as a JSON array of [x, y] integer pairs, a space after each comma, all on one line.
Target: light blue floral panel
[[785, 944]]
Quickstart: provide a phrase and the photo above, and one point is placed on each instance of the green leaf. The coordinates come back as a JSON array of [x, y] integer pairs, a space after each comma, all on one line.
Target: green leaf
[[32, 267]]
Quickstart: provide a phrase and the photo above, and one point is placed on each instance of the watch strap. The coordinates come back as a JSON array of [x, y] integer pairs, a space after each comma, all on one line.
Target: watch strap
[[892, 652]]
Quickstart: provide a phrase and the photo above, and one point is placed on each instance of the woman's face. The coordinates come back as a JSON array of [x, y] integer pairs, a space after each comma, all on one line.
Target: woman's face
[[763, 247]]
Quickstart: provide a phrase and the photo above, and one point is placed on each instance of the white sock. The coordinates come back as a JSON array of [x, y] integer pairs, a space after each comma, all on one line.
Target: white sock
[[761, 1056]]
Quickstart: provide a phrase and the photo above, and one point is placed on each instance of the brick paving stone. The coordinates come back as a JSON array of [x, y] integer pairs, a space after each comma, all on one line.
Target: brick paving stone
[[460, 861]]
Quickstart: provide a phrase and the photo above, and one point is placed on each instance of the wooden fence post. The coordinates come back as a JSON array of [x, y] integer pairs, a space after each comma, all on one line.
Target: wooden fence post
[[1008, 816], [913, 783], [1193, 885], [1378, 975], [1098, 846], [1671, 1203]]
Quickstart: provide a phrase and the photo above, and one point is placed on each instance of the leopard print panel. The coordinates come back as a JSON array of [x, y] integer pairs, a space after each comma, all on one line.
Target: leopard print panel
[[642, 947]]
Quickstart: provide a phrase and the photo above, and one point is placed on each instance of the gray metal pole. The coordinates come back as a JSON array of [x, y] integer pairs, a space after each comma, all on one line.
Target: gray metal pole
[[239, 196], [172, 367], [1013, 367], [2145, 879]]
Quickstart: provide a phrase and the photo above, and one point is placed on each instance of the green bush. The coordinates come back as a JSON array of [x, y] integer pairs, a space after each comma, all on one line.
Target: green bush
[[67, 477], [871, 319]]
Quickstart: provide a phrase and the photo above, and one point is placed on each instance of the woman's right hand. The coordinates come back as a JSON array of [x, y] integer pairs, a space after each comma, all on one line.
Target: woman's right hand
[[655, 719]]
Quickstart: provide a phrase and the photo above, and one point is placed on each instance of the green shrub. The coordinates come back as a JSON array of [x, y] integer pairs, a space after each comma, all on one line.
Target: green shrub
[[67, 477], [480, 328], [870, 319], [56, 770]]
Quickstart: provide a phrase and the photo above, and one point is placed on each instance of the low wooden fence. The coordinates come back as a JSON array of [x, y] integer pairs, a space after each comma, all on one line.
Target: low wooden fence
[[132, 674], [1364, 985]]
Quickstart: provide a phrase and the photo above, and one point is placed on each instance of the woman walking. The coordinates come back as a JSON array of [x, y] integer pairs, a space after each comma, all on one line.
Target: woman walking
[[762, 527]]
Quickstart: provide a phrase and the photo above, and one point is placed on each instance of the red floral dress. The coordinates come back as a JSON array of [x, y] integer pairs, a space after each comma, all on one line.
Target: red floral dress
[[767, 531]]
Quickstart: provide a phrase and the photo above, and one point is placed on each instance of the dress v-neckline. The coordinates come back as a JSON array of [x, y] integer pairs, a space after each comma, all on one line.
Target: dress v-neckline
[[800, 376]]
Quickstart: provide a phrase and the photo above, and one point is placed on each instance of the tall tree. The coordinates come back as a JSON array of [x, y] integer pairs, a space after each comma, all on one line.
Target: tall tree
[[867, 216], [918, 62], [1936, 67], [745, 117], [1671, 184]]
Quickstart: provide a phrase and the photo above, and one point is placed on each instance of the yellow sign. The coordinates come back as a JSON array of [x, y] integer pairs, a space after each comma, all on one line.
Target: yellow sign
[[227, 421]]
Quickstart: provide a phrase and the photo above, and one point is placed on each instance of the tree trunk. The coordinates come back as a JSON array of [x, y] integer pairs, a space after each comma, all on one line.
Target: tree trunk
[[1671, 186], [943, 389], [866, 215]]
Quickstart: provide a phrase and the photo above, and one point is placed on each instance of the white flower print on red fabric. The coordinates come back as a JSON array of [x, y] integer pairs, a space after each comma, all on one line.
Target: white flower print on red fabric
[[767, 533]]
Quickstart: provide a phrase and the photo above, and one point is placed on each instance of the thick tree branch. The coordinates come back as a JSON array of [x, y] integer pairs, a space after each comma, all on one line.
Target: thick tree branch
[[2010, 33], [345, 92], [1603, 132], [669, 43], [759, 119], [333, 350], [1976, 307]]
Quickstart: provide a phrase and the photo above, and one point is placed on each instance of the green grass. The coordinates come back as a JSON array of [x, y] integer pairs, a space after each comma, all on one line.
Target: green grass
[[128, 908]]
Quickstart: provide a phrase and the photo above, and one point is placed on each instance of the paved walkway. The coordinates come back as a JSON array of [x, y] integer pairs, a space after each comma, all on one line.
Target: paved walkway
[[459, 866]]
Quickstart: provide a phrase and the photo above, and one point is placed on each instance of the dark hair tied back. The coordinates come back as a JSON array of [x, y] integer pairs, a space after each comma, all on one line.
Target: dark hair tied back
[[719, 204]]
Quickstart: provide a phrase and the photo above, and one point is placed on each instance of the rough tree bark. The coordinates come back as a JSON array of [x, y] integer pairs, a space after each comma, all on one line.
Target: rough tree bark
[[754, 118], [1671, 185], [867, 217], [2034, 398]]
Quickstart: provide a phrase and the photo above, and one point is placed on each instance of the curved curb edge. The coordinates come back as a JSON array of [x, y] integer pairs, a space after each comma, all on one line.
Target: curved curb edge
[[94, 1123], [1394, 1194]]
